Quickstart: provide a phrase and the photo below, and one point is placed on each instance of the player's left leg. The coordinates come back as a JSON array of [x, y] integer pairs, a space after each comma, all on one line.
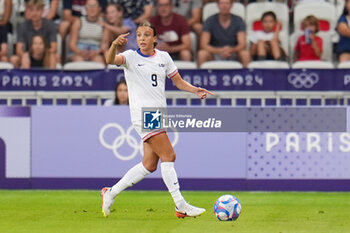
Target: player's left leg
[[133, 176], [161, 146]]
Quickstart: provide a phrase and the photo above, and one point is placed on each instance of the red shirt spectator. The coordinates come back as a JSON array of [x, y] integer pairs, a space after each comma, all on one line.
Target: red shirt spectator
[[306, 52], [173, 32]]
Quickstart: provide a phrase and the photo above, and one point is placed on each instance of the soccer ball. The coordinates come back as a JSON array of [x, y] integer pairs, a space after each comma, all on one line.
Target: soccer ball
[[227, 208]]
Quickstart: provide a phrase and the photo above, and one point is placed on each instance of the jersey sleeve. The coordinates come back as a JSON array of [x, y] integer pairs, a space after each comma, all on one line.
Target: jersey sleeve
[[171, 69], [127, 57]]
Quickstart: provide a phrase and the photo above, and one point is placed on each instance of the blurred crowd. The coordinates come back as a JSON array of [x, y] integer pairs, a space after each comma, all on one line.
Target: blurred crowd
[[50, 33]]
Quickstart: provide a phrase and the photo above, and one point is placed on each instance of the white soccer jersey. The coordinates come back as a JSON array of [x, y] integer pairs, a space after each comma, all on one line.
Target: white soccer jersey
[[145, 77]]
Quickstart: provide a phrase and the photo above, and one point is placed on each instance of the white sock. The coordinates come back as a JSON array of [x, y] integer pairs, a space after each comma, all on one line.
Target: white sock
[[170, 179], [133, 176]]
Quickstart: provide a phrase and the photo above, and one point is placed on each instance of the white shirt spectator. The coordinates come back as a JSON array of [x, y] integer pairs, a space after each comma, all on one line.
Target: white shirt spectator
[[261, 35]]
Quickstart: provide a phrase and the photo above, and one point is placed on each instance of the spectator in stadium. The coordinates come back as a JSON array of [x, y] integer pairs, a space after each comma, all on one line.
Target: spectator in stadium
[[192, 10], [5, 14], [38, 55], [35, 26], [88, 39], [223, 37], [73, 10], [173, 31], [343, 28], [3, 45], [265, 44], [121, 95], [115, 25], [309, 45], [138, 10], [50, 9]]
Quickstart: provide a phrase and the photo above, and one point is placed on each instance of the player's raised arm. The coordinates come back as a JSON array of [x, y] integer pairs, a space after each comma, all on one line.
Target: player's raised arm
[[117, 44], [185, 86]]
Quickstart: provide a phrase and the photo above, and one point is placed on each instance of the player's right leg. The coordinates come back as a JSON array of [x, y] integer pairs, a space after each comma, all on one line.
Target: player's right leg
[[133, 176], [162, 147]]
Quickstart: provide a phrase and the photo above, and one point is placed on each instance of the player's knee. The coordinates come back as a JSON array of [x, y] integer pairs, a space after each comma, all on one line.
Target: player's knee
[[170, 157], [150, 166], [173, 156]]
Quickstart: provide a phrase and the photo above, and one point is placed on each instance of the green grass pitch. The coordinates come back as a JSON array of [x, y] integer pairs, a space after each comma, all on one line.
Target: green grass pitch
[[152, 212]]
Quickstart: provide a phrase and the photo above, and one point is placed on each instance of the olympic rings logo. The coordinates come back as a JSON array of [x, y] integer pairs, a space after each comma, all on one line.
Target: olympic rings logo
[[125, 136], [303, 80]]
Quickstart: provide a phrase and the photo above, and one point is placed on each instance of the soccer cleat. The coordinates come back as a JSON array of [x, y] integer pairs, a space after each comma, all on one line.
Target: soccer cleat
[[189, 211], [107, 201]]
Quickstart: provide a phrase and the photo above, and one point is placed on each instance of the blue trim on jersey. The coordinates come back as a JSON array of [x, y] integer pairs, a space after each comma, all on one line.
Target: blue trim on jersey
[[144, 55]]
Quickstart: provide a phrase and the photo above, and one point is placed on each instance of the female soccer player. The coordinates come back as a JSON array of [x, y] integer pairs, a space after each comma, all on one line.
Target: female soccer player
[[145, 71]]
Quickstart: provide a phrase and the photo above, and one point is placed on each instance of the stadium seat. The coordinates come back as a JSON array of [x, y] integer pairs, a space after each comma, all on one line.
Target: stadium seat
[[313, 65], [185, 64], [344, 65], [84, 65], [5, 65], [221, 65], [268, 65], [324, 11], [327, 54], [58, 66], [211, 8], [254, 12]]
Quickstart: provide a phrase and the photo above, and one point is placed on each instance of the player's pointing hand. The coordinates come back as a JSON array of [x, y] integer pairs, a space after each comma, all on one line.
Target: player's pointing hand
[[202, 93], [121, 39]]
